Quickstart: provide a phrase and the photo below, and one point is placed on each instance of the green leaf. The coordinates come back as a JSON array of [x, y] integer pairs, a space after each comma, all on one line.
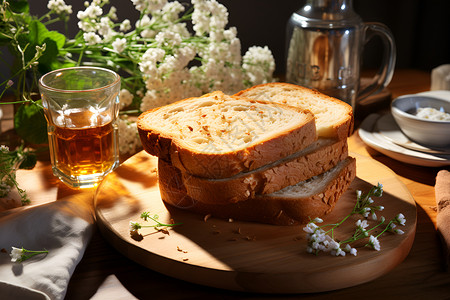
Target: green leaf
[[39, 33], [57, 37], [29, 162], [36, 29], [48, 56], [19, 6], [37, 36], [30, 123]]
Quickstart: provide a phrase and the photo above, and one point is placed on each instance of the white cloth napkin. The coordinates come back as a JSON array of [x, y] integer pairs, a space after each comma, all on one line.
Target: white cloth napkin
[[64, 228]]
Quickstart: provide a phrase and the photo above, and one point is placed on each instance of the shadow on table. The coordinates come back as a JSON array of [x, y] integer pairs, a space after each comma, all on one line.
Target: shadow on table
[[424, 175]]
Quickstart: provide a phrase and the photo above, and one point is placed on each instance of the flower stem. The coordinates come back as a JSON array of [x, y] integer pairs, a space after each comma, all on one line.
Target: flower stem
[[385, 229]]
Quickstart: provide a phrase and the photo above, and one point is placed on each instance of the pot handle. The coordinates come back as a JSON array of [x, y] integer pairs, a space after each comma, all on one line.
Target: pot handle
[[384, 74]]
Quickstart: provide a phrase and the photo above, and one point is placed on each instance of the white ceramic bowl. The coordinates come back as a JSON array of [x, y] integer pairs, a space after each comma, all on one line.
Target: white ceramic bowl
[[423, 131]]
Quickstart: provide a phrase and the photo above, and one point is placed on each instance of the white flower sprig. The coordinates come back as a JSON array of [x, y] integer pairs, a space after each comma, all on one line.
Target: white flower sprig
[[21, 254], [135, 226], [322, 238]]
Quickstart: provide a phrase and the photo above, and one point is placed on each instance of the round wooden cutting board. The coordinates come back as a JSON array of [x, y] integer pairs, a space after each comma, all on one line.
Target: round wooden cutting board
[[245, 256]]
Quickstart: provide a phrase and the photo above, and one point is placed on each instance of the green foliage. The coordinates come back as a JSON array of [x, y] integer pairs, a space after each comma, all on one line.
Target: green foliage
[[30, 123], [39, 35], [29, 161], [10, 161], [37, 51], [18, 6]]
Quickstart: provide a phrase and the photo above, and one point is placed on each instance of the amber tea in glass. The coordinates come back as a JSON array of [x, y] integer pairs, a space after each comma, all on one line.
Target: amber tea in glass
[[81, 108]]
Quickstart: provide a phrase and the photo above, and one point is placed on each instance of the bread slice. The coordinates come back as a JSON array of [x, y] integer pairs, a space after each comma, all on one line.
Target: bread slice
[[334, 118], [295, 204], [218, 136], [319, 157]]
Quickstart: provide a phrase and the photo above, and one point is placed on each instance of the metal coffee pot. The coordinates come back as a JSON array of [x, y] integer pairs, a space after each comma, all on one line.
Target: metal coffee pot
[[325, 41]]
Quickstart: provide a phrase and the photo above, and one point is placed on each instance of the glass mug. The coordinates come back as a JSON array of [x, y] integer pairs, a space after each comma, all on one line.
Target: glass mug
[[81, 106], [325, 41]]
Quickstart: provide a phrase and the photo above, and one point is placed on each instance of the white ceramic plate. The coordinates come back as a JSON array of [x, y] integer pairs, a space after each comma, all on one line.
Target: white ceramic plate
[[382, 142], [388, 128]]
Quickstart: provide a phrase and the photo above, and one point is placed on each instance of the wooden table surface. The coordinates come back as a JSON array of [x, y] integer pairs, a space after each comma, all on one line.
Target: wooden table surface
[[103, 273]]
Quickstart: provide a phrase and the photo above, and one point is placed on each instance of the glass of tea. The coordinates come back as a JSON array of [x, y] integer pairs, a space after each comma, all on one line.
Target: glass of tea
[[81, 105]]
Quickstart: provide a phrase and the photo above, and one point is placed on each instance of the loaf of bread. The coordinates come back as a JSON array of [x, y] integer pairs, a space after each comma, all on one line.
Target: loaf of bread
[[218, 136], [334, 118], [318, 158], [292, 205], [275, 153]]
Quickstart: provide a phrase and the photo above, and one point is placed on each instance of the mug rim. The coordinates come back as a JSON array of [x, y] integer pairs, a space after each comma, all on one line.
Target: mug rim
[[43, 85]]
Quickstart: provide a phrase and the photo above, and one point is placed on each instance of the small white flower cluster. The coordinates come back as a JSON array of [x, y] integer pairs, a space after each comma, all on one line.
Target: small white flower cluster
[[318, 240], [21, 254], [374, 243], [134, 227], [16, 254], [400, 220], [321, 240], [148, 5], [157, 225], [4, 149], [129, 141], [256, 64], [96, 27], [119, 44], [364, 203], [59, 7], [128, 135], [164, 18], [168, 75], [125, 98]]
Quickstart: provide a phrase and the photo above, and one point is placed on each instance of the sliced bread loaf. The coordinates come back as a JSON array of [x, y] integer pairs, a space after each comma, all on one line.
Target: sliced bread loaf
[[317, 158], [334, 118], [292, 205], [218, 136]]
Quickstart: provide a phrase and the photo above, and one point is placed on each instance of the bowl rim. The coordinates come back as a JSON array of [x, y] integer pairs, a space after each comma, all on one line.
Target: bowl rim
[[413, 117]]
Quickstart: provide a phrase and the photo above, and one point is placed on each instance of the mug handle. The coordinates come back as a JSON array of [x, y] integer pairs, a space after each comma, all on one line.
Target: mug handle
[[384, 74]]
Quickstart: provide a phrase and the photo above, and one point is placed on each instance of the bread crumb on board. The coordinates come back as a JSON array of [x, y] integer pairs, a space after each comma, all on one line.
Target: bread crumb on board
[[250, 238], [206, 217], [181, 250]]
